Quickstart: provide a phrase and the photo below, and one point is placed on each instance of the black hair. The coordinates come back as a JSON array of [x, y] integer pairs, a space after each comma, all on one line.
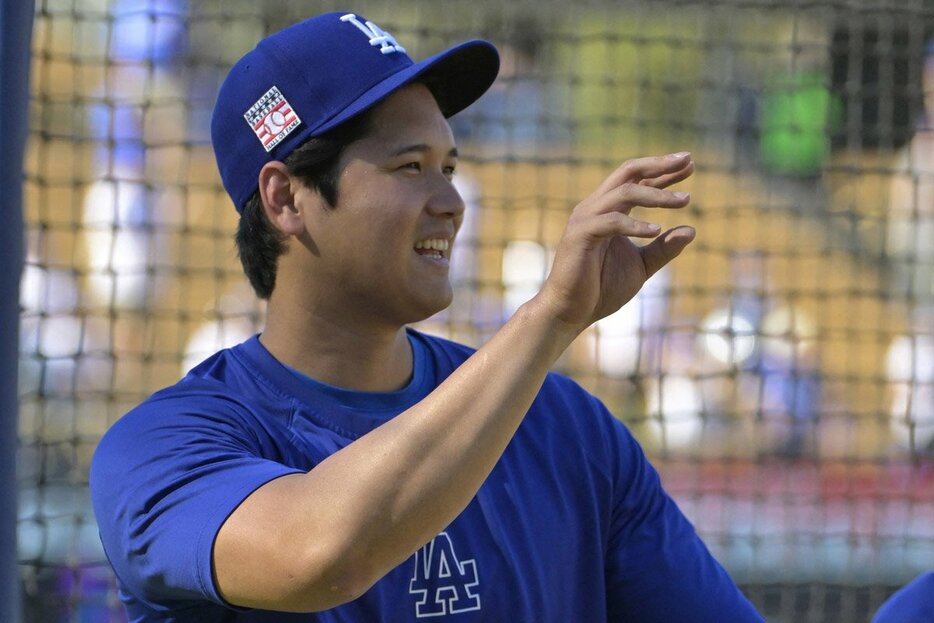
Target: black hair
[[316, 162]]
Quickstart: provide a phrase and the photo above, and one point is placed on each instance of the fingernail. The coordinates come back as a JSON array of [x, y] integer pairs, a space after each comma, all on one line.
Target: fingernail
[[680, 155], [681, 196], [654, 227]]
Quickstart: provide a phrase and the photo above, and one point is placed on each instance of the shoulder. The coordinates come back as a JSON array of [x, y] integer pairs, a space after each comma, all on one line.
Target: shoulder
[[565, 386], [583, 426], [200, 414], [191, 409], [190, 398], [167, 474], [574, 405]]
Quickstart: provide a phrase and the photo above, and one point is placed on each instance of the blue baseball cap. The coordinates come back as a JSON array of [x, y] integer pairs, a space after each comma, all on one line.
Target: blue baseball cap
[[314, 75]]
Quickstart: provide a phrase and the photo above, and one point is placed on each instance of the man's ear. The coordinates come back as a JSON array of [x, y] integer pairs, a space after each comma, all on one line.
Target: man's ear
[[278, 197]]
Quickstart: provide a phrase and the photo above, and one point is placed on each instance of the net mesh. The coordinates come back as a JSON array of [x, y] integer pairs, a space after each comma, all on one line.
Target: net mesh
[[780, 373]]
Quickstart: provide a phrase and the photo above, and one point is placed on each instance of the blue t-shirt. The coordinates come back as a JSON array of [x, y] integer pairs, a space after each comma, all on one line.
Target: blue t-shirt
[[571, 525]]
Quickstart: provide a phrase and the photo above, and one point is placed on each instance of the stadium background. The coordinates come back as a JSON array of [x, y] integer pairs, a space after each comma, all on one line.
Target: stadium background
[[780, 373]]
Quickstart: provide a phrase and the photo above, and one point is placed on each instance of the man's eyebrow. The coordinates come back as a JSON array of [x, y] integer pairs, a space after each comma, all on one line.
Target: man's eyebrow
[[420, 148]]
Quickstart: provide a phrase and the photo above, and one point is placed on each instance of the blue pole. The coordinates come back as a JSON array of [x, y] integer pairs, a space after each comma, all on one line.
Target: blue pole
[[16, 17]]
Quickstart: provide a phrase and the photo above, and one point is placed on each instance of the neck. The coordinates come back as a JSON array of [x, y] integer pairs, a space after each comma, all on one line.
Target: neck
[[374, 359]]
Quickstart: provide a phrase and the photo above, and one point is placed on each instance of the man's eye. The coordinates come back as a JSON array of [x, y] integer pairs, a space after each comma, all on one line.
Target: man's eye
[[449, 171], [414, 166]]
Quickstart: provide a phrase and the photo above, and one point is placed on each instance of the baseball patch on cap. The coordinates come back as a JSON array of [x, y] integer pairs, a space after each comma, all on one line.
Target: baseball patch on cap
[[272, 118]]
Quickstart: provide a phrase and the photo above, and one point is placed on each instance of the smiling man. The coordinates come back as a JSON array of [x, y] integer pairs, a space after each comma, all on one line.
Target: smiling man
[[343, 467]]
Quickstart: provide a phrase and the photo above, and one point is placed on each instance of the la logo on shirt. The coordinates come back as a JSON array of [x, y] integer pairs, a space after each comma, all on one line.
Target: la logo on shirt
[[442, 584]]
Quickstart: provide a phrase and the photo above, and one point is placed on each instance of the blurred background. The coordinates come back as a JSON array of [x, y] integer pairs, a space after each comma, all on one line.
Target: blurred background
[[780, 373]]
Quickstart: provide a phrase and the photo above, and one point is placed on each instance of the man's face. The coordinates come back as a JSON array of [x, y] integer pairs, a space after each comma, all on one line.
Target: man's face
[[382, 254]]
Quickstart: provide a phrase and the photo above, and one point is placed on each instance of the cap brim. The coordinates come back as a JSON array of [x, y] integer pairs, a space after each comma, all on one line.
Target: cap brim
[[456, 77]]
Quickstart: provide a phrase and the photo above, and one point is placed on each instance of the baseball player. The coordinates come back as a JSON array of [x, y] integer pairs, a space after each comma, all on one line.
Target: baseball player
[[343, 467]]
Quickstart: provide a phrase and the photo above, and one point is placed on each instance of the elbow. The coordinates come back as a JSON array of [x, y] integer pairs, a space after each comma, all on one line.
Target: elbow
[[341, 586], [292, 581], [327, 581]]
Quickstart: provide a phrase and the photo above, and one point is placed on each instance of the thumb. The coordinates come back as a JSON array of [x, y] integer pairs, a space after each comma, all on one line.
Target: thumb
[[665, 248]]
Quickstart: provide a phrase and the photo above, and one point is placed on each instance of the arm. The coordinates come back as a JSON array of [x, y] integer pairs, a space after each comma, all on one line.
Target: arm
[[657, 567], [313, 541]]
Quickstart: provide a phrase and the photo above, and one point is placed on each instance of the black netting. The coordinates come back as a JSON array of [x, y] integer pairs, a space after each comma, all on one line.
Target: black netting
[[780, 373]]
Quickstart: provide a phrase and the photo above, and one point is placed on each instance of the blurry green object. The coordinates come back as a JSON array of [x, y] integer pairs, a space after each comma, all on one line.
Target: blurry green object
[[798, 115]]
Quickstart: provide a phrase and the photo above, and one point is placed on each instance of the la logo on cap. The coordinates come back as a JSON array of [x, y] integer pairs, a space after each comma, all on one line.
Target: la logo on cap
[[376, 35]]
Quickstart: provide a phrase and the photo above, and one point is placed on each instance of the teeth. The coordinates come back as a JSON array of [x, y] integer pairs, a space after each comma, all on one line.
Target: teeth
[[437, 244]]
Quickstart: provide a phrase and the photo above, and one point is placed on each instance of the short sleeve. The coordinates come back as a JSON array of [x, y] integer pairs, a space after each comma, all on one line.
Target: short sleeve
[[163, 481], [657, 569]]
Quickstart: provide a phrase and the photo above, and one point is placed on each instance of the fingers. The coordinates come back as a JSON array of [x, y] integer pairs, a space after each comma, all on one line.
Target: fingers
[[650, 168], [629, 195], [611, 224], [639, 182], [642, 182], [665, 248], [664, 181]]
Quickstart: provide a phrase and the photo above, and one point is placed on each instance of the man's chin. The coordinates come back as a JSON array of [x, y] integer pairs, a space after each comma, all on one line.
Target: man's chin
[[432, 308]]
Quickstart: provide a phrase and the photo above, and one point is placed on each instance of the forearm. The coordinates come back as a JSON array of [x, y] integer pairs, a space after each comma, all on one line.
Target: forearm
[[415, 474], [361, 512]]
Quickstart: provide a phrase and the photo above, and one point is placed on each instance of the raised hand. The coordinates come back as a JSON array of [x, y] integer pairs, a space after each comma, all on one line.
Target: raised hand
[[597, 268]]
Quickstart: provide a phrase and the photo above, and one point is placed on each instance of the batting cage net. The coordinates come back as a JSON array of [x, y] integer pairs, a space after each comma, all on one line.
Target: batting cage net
[[780, 373]]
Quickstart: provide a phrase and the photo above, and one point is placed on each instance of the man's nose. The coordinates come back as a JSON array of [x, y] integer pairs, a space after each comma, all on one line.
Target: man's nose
[[445, 199]]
